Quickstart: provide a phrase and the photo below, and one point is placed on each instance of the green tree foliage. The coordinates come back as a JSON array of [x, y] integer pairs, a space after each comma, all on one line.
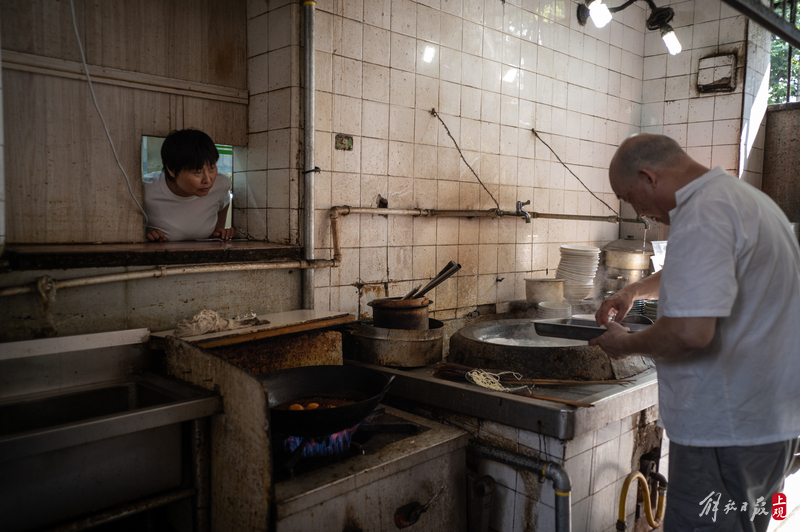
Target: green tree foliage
[[779, 80]]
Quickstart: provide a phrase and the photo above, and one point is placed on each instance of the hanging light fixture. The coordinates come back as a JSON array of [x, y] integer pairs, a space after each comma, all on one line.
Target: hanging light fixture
[[671, 40], [599, 13], [658, 20]]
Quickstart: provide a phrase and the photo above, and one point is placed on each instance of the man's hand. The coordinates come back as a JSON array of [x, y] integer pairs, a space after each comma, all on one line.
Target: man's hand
[[617, 305], [224, 234], [667, 339], [612, 341], [621, 302], [155, 235]]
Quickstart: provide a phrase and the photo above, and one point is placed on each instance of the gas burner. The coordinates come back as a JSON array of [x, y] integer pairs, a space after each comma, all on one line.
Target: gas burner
[[328, 445], [302, 455]]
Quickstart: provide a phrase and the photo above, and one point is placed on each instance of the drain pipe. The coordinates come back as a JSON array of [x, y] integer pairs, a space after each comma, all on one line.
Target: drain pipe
[[45, 283], [562, 486], [308, 147]]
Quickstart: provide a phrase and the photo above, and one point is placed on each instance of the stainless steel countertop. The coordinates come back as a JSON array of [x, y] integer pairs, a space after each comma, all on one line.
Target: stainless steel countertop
[[610, 402]]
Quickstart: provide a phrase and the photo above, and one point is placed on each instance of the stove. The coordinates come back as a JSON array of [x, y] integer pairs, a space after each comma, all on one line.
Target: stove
[[393, 460]]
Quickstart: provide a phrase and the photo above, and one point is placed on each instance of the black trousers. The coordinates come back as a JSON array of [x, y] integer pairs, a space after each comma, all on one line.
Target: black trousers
[[725, 488]]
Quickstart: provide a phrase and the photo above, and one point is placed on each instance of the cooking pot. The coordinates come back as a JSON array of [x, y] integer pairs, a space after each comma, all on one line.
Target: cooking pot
[[364, 386], [397, 313], [628, 254], [394, 347], [538, 290]]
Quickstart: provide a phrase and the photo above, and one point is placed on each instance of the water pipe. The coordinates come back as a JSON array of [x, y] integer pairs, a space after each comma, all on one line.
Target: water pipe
[[562, 486]]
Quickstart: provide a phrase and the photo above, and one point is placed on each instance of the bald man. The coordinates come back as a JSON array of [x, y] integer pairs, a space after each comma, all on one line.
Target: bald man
[[727, 341]]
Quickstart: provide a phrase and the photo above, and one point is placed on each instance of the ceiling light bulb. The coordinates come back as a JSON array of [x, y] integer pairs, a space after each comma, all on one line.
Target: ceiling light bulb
[[671, 40], [429, 54], [599, 13]]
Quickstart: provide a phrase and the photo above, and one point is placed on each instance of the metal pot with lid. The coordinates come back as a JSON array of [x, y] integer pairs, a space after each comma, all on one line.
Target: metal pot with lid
[[628, 254]]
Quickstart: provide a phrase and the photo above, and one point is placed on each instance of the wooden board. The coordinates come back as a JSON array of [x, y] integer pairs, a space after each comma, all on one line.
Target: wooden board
[[62, 180], [38, 64], [192, 40], [293, 321]]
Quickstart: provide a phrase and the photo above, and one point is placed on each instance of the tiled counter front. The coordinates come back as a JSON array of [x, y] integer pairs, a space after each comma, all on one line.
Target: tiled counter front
[[598, 446], [597, 464]]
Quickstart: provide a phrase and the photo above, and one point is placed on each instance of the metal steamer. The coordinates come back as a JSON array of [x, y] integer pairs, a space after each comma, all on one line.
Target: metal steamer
[[626, 261]]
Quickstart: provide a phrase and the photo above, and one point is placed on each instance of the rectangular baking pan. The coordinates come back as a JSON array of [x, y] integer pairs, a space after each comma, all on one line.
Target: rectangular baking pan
[[576, 329]]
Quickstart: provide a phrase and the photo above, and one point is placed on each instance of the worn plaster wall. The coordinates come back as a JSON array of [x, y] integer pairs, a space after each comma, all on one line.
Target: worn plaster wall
[[782, 163], [157, 304]]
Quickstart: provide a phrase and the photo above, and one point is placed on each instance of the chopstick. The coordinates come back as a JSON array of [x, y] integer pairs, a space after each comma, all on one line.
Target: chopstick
[[458, 372]]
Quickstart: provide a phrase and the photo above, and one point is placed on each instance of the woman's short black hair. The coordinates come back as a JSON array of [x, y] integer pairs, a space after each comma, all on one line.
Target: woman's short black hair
[[187, 149]]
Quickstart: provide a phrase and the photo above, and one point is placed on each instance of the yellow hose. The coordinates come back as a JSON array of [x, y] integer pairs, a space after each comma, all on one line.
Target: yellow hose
[[648, 510]]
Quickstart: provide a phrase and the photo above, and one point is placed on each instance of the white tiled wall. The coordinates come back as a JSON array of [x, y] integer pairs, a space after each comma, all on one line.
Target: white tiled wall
[[265, 185], [707, 125], [493, 70], [597, 464]]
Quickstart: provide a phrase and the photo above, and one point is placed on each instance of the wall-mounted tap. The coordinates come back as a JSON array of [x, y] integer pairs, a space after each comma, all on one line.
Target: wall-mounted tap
[[521, 212]]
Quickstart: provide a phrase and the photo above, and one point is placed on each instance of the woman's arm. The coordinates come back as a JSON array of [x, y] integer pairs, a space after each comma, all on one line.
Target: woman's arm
[[220, 231]]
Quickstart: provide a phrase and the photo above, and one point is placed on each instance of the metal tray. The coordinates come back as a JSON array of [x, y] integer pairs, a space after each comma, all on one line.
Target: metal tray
[[577, 329]]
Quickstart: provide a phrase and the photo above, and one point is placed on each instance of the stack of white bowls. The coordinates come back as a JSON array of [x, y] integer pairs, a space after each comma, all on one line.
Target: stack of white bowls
[[551, 310], [578, 267]]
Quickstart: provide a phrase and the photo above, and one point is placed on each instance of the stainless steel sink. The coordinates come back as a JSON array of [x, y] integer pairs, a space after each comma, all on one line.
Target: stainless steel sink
[[72, 407], [77, 450]]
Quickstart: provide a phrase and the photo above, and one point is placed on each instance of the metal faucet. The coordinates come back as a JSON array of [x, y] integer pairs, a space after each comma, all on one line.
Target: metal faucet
[[646, 223], [521, 212]]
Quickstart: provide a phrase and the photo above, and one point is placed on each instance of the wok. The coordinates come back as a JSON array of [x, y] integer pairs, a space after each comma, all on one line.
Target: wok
[[364, 386]]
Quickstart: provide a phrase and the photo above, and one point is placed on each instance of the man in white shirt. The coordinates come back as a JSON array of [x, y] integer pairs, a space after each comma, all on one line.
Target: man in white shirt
[[727, 341]]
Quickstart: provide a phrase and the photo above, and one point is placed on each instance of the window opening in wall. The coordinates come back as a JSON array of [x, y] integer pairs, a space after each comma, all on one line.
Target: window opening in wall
[[152, 164], [784, 76]]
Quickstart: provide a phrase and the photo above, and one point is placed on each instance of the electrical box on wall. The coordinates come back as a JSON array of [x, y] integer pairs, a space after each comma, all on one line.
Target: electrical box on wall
[[717, 73], [344, 142]]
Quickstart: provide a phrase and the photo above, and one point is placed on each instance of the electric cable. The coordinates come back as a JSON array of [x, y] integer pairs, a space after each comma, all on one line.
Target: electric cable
[[573, 173], [96, 106], [434, 113]]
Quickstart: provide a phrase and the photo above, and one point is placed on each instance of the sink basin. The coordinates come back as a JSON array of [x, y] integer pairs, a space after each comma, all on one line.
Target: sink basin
[[72, 407], [73, 451], [41, 422]]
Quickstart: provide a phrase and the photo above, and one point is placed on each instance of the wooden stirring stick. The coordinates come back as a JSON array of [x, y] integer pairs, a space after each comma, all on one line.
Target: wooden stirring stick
[[553, 399]]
